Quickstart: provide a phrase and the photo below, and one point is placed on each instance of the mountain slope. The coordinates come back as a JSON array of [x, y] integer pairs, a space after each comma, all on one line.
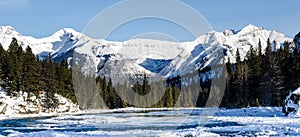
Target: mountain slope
[[135, 57]]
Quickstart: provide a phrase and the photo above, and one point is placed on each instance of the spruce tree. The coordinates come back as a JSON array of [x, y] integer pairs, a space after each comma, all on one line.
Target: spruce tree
[[168, 99], [137, 88], [31, 73], [49, 83], [145, 87], [111, 95], [238, 63], [15, 56], [259, 49], [3, 67]]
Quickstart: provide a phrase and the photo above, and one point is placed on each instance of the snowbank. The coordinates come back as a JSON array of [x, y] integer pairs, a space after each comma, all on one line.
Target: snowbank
[[20, 105]]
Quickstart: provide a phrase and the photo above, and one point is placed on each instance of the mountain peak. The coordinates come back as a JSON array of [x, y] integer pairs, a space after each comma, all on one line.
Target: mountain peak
[[67, 31], [249, 28], [9, 30], [6, 28]]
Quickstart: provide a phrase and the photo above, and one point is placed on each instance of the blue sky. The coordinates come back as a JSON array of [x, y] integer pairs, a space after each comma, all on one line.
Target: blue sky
[[40, 18]]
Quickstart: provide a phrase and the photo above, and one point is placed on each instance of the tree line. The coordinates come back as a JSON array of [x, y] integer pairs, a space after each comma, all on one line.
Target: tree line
[[22, 72], [143, 94], [261, 79], [155, 94]]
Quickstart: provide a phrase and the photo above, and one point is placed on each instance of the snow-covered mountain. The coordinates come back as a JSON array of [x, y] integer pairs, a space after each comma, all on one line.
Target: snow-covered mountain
[[60, 42], [138, 56]]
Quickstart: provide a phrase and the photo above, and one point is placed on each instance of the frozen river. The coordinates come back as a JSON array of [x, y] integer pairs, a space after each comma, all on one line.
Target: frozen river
[[264, 121]]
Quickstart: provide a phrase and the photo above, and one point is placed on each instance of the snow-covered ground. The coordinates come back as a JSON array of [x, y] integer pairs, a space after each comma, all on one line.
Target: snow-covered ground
[[259, 121], [21, 105]]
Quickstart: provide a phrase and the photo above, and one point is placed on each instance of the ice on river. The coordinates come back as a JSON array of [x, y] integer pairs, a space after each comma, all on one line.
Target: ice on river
[[260, 121]]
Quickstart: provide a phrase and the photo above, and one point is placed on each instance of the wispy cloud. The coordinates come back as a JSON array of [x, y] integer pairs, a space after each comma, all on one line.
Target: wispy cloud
[[13, 3]]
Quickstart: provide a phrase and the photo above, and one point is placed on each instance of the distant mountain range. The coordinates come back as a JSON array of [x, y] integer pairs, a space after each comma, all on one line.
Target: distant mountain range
[[136, 57]]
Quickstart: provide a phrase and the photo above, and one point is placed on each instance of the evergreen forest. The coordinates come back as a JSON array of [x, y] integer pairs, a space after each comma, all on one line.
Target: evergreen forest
[[263, 78]]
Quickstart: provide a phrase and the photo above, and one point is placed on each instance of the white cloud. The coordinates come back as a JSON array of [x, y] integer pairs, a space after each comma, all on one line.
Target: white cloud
[[13, 3]]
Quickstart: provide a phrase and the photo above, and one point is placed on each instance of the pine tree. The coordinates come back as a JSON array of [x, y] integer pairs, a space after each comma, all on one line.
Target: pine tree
[[49, 83], [259, 49], [15, 57], [31, 73], [239, 90], [104, 92], [254, 63], [238, 63], [111, 95], [3, 67], [19, 68], [168, 99], [64, 80], [175, 95], [268, 50], [145, 87], [137, 88]]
